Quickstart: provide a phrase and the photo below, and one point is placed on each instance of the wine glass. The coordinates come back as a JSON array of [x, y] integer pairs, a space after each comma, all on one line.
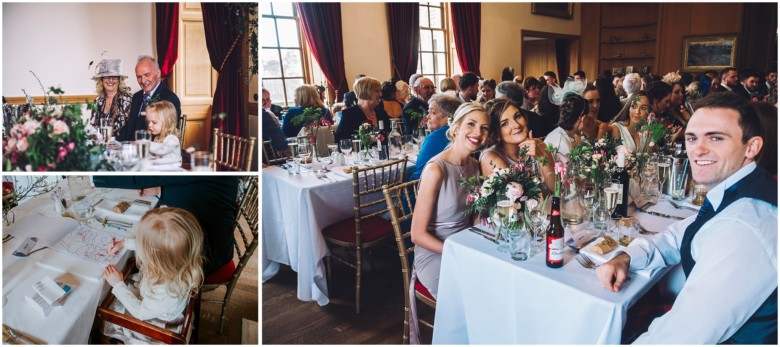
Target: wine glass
[[506, 211], [304, 154], [663, 167], [538, 216], [611, 200], [356, 148], [345, 145], [587, 194]]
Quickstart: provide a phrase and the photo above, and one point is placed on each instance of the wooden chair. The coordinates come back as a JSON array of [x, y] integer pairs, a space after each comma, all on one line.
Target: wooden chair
[[182, 129], [188, 333], [400, 201], [231, 151], [248, 209], [271, 156], [366, 228]]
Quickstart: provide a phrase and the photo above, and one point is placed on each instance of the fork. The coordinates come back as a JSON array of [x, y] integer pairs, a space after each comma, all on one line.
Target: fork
[[675, 205], [585, 261]]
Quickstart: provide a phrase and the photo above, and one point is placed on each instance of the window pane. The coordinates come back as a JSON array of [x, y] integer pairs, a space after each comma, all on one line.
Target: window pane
[[288, 33], [436, 18], [271, 65], [268, 32], [423, 16], [438, 41], [283, 9], [441, 63], [438, 79], [437, 4], [291, 61], [277, 91], [291, 85], [425, 40], [265, 8], [427, 63]]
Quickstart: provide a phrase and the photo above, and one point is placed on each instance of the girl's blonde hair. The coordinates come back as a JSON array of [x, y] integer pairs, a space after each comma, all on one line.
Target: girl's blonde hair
[[456, 119], [169, 244], [167, 114], [307, 96]]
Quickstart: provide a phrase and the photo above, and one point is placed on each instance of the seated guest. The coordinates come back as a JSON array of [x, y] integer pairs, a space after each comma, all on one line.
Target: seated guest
[[113, 95], [748, 88], [469, 87], [423, 90], [272, 132], [580, 76], [532, 88], [441, 107], [390, 104], [148, 75], [337, 108], [488, 89], [439, 211], [610, 103], [412, 79], [728, 251], [512, 91], [624, 125], [564, 138], [211, 199], [632, 83], [448, 86], [550, 78], [507, 73], [590, 126], [456, 78], [509, 132], [350, 99], [275, 109], [306, 96], [549, 113], [368, 91], [767, 158], [676, 107], [729, 79], [402, 94], [165, 148]]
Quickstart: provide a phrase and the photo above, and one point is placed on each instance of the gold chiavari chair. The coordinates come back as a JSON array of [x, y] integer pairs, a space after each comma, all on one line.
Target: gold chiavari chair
[[231, 151], [182, 129]]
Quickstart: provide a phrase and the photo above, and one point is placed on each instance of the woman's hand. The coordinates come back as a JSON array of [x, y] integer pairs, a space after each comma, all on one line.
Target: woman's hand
[[149, 191], [115, 247], [529, 144], [112, 276]]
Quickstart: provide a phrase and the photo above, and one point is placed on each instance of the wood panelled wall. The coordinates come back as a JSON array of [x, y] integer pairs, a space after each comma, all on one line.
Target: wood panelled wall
[[681, 19], [539, 57]]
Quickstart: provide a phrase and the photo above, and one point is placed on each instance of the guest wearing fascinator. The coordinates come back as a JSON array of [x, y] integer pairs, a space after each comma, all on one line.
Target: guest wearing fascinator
[[113, 95]]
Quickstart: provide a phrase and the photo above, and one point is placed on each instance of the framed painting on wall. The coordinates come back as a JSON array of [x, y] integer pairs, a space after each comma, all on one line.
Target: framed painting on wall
[[553, 9], [629, 69], [711, 52]]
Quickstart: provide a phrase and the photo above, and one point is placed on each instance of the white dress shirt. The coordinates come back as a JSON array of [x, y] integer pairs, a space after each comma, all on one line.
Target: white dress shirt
[[561, 140], [735, 272]]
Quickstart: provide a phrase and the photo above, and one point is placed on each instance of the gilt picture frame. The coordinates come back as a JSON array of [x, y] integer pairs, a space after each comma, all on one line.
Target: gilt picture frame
[[563, 10], [710, 52]]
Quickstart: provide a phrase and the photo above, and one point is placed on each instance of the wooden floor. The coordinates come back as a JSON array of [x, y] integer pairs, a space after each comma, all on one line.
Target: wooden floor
[[287, 320]]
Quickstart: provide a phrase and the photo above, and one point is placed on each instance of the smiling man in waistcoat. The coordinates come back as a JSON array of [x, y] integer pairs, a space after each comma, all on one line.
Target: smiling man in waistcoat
[[728, 251]]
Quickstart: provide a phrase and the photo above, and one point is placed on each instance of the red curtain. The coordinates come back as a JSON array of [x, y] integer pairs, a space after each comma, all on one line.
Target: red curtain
[[167, 35], [321, 24], [466, 22], [403, 20], [224, 45]]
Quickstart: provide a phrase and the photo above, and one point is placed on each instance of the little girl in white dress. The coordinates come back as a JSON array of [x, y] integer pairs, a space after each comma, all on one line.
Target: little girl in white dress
[[168, 247], [165, 149]]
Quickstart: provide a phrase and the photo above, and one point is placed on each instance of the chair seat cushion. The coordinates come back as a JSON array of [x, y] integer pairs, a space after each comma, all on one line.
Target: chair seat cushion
[[221, 275], [372, 228], [420, 288]]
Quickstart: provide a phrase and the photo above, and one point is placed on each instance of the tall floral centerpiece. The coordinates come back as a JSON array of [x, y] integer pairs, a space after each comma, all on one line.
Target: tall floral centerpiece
[[52, 137], [367, 138], [312, 119], [518, 184], [598, 160]]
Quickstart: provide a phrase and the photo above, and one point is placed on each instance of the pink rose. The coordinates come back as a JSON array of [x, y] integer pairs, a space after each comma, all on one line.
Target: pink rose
[[17, 131], [10, 146], [514, 191], [22, 144], [532, 203], [60, 127], [31, 126], [470, 198], [61, 153], [71, 146]]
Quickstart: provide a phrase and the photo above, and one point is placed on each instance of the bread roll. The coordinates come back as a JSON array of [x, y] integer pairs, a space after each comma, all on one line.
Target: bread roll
[[121, 207], [606, 245]]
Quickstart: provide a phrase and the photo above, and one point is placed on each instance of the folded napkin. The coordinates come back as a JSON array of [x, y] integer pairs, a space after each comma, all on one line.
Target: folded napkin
[[132, 215], [603, 258]]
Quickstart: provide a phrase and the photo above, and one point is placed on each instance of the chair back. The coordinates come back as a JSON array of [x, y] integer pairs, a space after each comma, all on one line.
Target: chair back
[[248, 210], [400, 201], [233, 152], [270, 156], [182, 126]]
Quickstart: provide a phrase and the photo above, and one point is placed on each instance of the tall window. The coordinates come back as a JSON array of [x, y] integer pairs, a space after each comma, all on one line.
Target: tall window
[[283, 69], [433, 45]]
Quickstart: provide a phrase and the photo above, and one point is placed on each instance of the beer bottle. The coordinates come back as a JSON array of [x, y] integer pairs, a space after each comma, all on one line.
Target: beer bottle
[[555, 230]]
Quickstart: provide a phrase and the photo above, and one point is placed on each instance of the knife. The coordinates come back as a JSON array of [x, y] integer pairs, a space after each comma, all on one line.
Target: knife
[[661, 214]]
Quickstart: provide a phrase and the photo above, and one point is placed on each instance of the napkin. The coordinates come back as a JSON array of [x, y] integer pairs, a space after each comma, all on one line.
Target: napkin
[[132, 215], [603, 258]]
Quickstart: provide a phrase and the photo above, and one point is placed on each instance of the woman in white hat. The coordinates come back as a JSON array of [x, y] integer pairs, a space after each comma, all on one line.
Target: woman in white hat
[[113, 95]]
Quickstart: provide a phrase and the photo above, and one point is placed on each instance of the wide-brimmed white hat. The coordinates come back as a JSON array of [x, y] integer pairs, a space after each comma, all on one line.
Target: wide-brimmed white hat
[[108, 67]]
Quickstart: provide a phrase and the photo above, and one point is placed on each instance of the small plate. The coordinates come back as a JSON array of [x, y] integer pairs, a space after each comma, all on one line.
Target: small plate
[[601, 258]]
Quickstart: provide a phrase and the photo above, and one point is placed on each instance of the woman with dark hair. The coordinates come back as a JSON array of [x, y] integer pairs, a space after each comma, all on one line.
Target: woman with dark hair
[[507, 74], [509, 132], [591, 127], [610, 103], [677, 109], [532, 88], [488, 89], [624, 125], [548, 112], [390, 103], [565, 136], [767, 157]]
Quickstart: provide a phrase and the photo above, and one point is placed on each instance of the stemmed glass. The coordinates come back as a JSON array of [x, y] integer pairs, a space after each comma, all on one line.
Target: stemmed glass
[[587, 194], [506, 212], [345, 145], [664, 166], [538, 216], [610, 200], [304, 152]]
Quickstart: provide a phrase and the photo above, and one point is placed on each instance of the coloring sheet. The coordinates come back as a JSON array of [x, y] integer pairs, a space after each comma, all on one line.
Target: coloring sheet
[[89, 244]]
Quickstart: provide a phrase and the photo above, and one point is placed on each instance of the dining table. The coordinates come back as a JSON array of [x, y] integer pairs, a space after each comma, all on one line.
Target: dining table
[[71, 321], [296, 208], [485, 297]]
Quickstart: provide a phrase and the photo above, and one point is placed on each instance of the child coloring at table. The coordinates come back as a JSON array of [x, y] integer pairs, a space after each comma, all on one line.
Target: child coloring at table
[[165, 148], [168, 248]]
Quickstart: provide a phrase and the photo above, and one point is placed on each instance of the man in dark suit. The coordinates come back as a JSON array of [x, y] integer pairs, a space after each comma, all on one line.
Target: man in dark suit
[[748, 86], [147, 72]]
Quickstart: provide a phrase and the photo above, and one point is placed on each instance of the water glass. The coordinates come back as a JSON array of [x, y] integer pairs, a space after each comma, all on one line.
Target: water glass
[[679, 183], [78, 187], [106, 130], [627, 230], [142, 135], [601, 217], [292, 167], [699, 194], [201, 161], [83, 212], [519, 244]]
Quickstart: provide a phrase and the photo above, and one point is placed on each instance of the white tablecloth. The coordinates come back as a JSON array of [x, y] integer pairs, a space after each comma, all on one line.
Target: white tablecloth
[[487, 298], [70, 323]]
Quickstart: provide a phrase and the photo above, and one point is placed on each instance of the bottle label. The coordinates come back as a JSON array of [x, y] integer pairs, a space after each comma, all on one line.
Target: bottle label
[[555, 249], [619, 188], [556, 213]]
